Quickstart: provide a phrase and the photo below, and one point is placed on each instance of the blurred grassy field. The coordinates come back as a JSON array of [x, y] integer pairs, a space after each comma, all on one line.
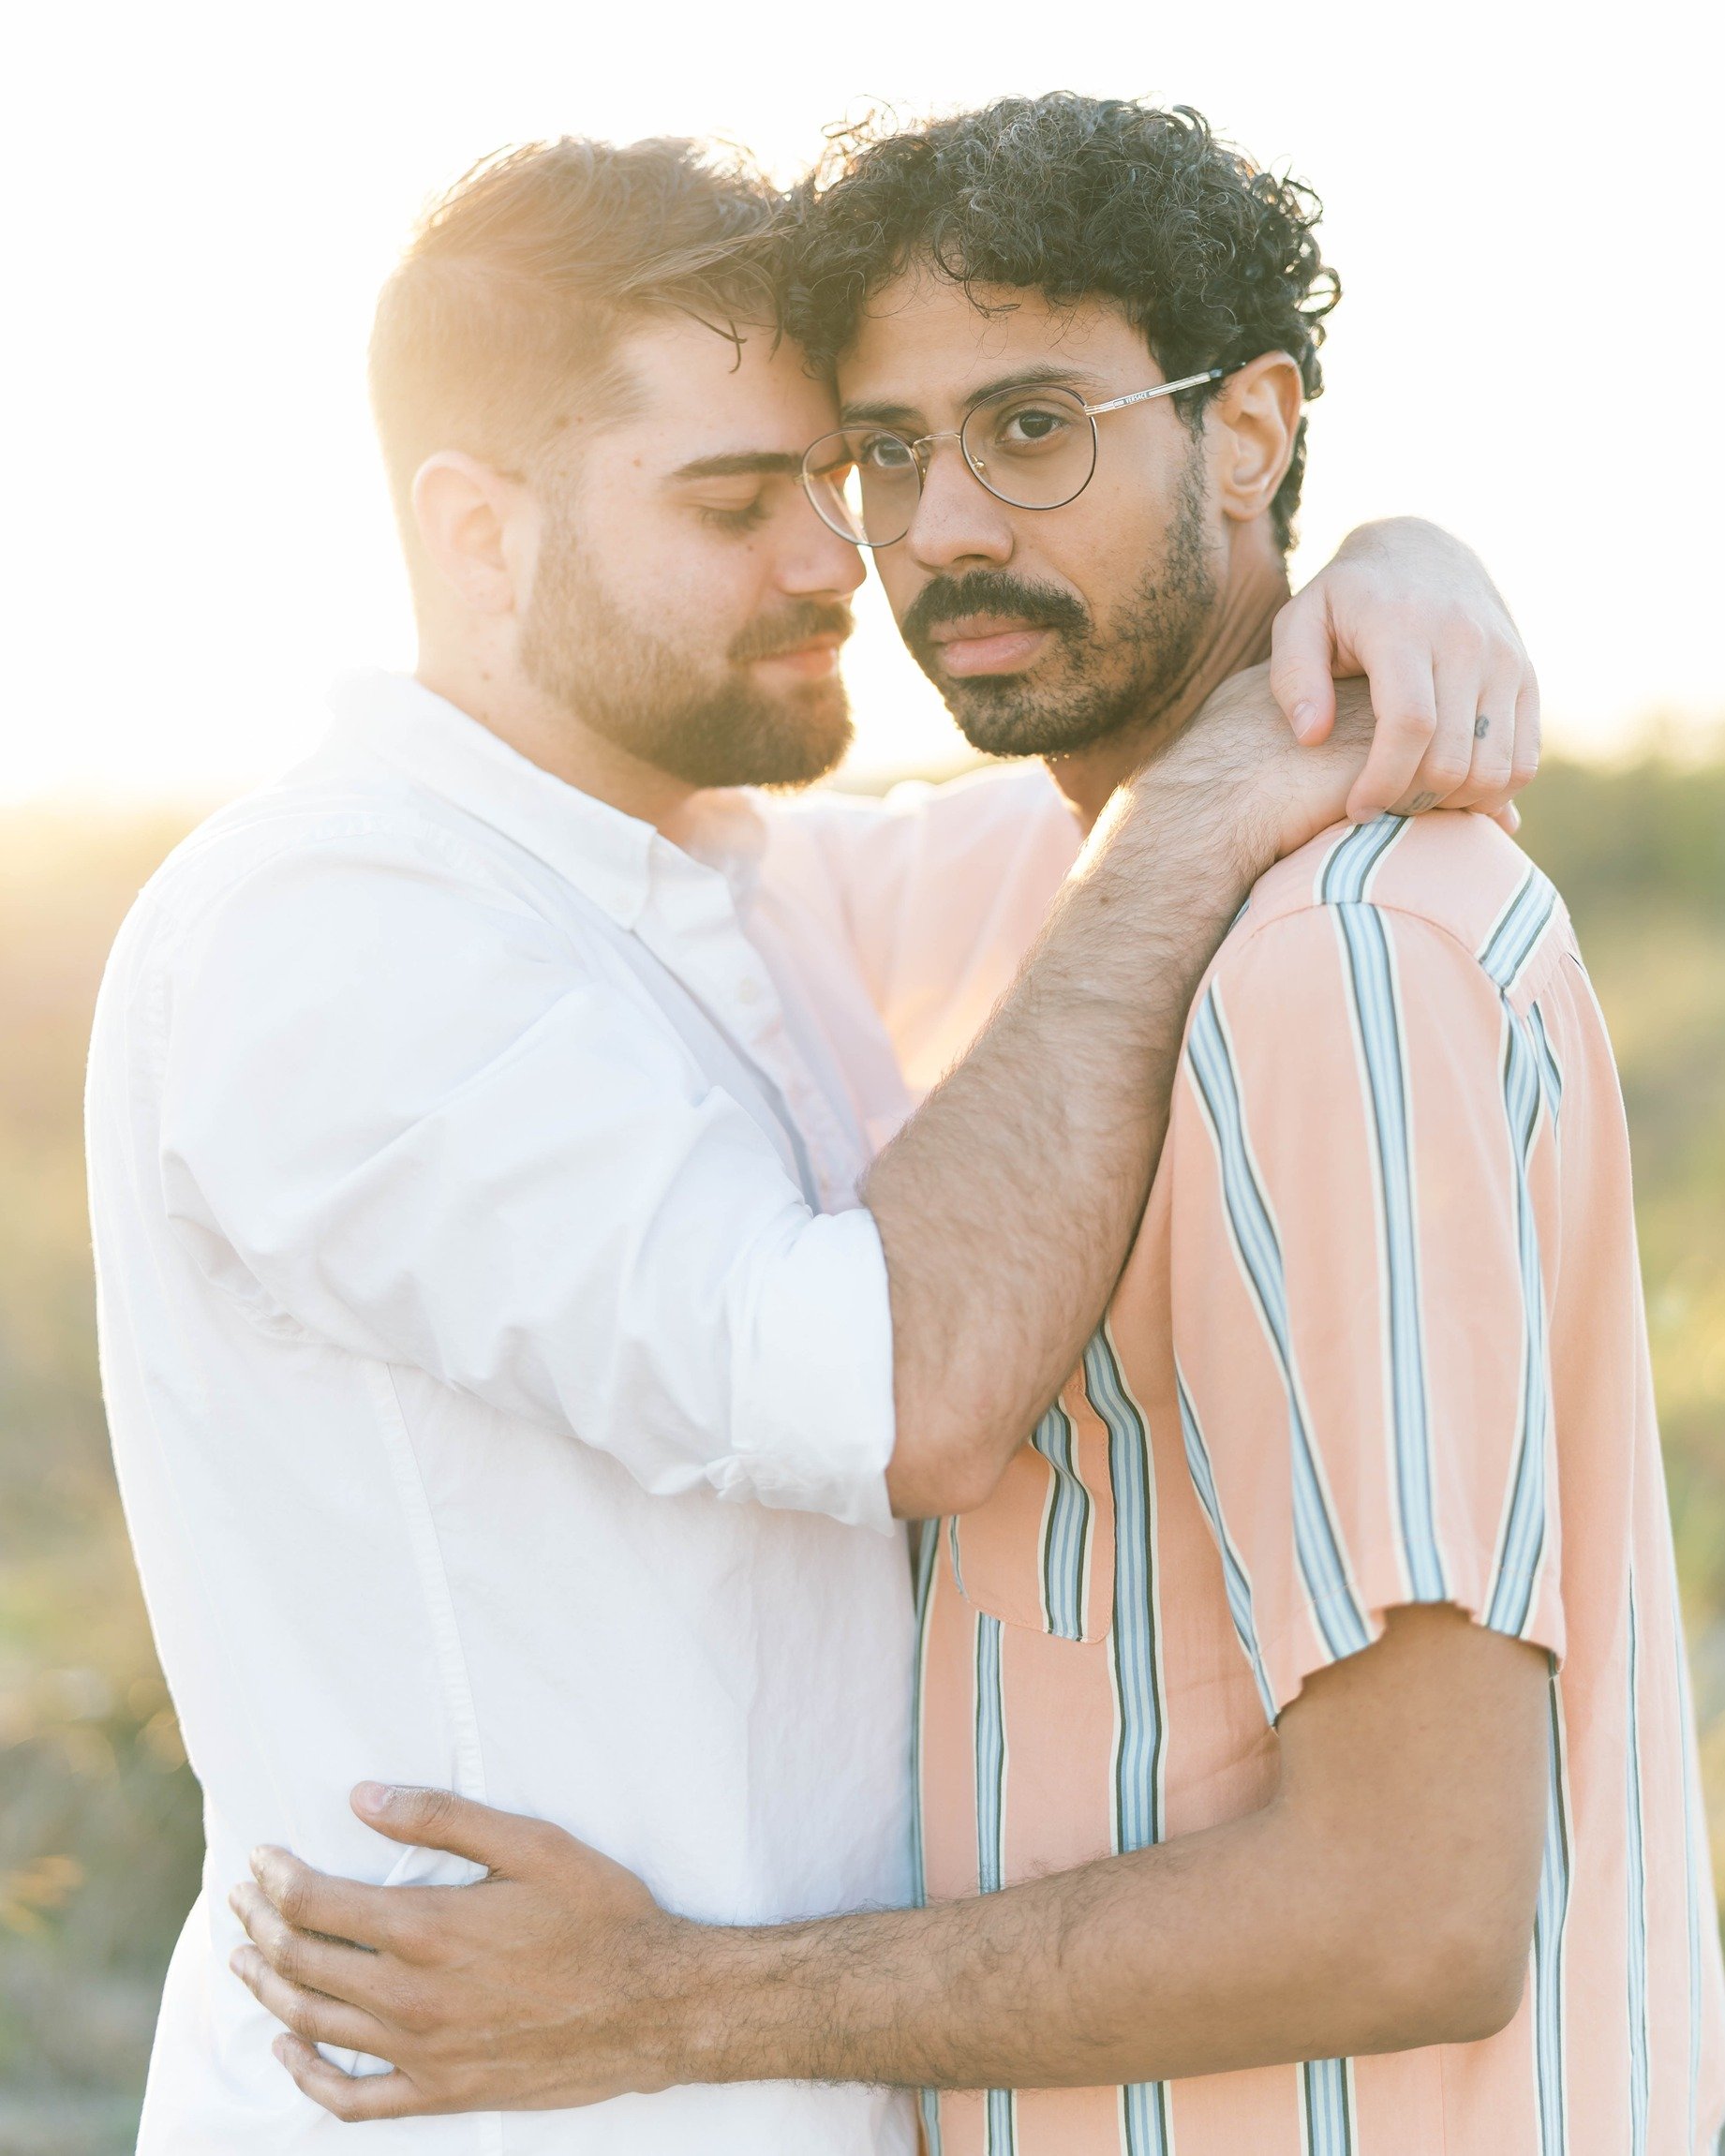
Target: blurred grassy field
[[98, 1816]]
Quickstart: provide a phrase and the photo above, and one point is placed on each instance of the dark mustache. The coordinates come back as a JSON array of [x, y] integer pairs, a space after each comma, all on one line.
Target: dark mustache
[[992, 592], [769, 635]]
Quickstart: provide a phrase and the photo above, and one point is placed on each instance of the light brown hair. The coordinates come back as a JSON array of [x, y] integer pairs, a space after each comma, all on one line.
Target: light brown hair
[[504, 313]]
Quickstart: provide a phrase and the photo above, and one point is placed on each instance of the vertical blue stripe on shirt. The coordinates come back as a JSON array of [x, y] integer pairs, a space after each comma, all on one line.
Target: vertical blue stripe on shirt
[[1001, 2112], [1065, 1528], [1146, 2126], [1234, 1578], [1329, 1590], [929, 2103], [1327, 2107], [1136, 1672], [1351, 862], [1636, 1867], [952, 1545], [1550, 1925], [1509, 1603], [990, 1757], [1378, 1024], [1139, 1719], [928, 1557]]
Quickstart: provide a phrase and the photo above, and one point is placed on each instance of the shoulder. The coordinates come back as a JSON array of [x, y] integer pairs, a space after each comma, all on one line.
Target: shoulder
[[291, 844], [923, 843], [1456, 876]]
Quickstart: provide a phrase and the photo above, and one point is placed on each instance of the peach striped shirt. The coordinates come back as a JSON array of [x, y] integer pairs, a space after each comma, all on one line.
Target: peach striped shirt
[[1380, 1341]]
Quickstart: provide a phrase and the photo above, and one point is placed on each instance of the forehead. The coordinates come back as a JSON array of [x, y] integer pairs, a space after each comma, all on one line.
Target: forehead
[[696, 394], [925, 346]]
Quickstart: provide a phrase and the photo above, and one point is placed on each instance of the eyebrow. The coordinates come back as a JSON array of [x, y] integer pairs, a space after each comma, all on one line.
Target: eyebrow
[[739, 462], [1044, 374]]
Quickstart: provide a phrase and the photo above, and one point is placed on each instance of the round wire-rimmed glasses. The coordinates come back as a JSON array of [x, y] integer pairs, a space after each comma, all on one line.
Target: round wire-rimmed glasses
[[1033, 448]]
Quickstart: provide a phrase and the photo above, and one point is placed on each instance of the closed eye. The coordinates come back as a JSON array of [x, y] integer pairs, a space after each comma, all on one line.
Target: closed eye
[[748, 518]]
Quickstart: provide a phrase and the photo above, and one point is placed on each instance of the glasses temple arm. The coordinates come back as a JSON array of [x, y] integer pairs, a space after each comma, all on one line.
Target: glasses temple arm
[[1162, 389]]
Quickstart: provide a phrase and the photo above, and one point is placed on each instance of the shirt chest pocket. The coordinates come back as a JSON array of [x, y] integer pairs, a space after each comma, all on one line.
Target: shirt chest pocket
[[1041, 1552]]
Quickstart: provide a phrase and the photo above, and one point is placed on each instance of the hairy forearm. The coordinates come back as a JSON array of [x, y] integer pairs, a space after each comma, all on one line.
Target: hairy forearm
[[1213, 1953], [1381, 1900], [1006, 1205]]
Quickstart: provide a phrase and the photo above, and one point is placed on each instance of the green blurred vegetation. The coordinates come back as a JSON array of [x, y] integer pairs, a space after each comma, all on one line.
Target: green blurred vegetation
[[98, 1816]]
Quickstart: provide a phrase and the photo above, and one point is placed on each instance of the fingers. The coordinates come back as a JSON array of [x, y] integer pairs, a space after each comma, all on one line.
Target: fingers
[[350, 1973], [1486, 784], [348, 2096], [439, 1819], [1302, 660], [1525, 761], [1404, 705], [374, 1916], [1440, 779], [308, 2013]]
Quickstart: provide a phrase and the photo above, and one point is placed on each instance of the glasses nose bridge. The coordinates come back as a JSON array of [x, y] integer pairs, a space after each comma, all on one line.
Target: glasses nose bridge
[[922, 450]]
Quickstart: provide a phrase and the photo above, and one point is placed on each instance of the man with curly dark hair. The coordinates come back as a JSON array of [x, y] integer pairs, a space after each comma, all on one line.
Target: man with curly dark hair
[[1031, 281], [1302, 1748]]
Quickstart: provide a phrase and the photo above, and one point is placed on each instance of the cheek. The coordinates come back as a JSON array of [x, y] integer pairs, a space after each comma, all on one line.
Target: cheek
[[1103, 545], [706, 579]]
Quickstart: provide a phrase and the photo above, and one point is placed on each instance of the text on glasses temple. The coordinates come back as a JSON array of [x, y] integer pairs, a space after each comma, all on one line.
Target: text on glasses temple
[[1162, 389]]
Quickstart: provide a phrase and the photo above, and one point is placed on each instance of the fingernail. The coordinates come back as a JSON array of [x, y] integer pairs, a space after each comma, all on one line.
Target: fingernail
[[280, 2048], [1305, 718], [234, 1961], [374, 1796], [1515, 817]]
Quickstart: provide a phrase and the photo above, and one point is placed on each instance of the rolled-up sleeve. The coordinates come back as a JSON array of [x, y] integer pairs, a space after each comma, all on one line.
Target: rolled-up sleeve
[[404, 1117]]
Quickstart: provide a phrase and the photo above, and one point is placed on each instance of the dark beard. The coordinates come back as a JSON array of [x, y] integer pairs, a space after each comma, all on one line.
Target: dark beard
[[1110, 681], [707, 726]]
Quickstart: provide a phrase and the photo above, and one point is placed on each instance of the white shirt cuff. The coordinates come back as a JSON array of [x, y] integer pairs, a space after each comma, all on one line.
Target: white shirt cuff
[[812, 1424]]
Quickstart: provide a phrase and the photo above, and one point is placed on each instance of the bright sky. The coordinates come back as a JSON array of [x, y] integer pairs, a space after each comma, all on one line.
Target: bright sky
[[1523, 202]]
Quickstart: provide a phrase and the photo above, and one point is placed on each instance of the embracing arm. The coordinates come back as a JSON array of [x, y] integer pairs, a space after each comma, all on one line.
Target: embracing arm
[[1382, 1900], [1006, 1204]]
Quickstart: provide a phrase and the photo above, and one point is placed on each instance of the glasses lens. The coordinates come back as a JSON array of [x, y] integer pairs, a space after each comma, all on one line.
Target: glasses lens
[[1034, 448], [864, 483]]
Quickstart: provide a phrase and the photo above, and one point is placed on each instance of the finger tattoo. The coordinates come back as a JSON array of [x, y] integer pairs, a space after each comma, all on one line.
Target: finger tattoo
[[1482, 726]]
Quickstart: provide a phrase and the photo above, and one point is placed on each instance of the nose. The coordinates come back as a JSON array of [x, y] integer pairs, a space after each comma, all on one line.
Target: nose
[[957, 523], [816, 563]]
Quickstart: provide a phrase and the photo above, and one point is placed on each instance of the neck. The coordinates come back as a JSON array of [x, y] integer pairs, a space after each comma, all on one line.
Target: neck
[[1237, 637], [547, 735]]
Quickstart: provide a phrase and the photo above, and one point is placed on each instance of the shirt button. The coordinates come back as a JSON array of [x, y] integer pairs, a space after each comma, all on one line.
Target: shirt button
[[748, 991]]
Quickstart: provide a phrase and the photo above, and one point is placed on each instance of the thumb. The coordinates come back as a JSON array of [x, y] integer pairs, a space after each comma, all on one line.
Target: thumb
[[1301, 667], [439, 1819]]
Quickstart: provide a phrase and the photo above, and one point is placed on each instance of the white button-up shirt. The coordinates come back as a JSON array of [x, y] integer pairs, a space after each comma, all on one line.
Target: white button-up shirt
[[499, 1361]]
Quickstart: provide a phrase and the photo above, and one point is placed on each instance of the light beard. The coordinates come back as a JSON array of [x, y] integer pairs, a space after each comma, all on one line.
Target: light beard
[[705, 722], [1113, 678]]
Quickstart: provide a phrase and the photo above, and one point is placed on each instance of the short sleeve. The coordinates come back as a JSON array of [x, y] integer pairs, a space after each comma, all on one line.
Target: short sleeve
[[1364, 1236], [404, 1117]]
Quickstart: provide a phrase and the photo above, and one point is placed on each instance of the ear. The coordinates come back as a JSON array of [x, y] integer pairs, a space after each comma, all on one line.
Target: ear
[[1259, 410], [467, 512]]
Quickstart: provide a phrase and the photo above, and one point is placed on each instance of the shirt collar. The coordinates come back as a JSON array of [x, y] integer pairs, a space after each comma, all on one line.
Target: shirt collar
[[611, 857]]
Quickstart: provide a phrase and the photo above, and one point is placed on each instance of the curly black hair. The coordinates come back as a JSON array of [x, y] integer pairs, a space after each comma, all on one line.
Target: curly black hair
[[1212, 258]]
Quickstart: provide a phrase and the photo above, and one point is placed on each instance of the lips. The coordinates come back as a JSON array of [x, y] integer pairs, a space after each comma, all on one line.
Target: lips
[[988, 643], [816, 654]]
